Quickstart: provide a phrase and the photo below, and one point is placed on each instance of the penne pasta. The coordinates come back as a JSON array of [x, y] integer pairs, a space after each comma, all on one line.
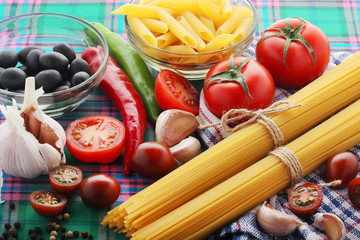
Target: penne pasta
[[155, 25], [198, 26], [212, 11], [208, 23], [177, 29], [218, 42], [188, 27], [242, 30], [142, 31], [226, 9], [180, 5], [234, 21], [166, 39], [137, 10], [180, 49]]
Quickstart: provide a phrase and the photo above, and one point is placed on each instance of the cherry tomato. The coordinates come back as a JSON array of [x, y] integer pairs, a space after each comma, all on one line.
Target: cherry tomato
[[354, 192], [305, 198], [221, 96], [342, 166], [152, 160], [174, 91], [99, 190], [47, 203], [96, 138], [299, 67], [65, 179]]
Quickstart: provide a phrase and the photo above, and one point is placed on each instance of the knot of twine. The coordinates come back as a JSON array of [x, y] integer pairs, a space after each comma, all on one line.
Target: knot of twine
[[247, 117], [291, 161]]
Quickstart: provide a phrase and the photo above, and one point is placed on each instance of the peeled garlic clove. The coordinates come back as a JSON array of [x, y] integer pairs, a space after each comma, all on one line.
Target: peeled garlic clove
[[186, 150], [275, 222], [174, 125], [331, 225]]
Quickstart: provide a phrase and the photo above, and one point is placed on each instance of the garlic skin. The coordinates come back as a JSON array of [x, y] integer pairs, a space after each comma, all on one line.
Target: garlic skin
[[30, 142], [174, 125], [331, 225], [186, 150], [275, 222]]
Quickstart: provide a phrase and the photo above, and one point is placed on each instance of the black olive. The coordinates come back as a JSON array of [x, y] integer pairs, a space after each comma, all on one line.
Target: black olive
[[65, 86], [22, 54], [79, 65], [53, 60], [13, 78], [1, 70], [32, 61], [66, 50], [49, 79], [78, 78], [8, 58]]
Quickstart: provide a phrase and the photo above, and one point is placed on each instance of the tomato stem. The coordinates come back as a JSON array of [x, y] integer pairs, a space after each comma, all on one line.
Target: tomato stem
[[290, 34], [232, 74]]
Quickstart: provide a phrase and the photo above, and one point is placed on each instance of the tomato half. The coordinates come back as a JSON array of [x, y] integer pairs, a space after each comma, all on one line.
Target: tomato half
[[65, 179], [354, 192], [47, 203], [221, 96], [99, 190], [152, 160], [298, 67], [305, 198], [174, 91], [96, 138], [342, 166]]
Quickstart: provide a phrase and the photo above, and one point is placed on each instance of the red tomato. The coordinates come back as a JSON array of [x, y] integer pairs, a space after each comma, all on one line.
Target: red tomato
[[305, 198], [174, 91], [342, 166], [99, 190], [96, 138], [298, 68], [47, 203], [221, 96], [354, 192], [65, 179], [152, 160]]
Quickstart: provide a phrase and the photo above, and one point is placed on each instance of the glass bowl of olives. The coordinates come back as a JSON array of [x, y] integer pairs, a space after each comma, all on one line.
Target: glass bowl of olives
[[48, 46]]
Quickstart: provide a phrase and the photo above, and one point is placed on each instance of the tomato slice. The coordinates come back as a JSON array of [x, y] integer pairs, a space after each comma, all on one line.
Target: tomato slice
[[305, 198], [174, 91], [47, 203], [354, 192], [65, 179], [96, 138]]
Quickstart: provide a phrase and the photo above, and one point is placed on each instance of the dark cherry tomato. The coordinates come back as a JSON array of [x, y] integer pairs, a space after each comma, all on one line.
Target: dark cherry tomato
[[96, 138], [152, 160], [305, 198], [47, 203], [354, 192], [173, 91], [99, 190], [342, 166], [65, 179]]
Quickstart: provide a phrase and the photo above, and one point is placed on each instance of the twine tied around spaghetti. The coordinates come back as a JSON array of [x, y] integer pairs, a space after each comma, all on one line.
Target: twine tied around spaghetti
[[247, 117]]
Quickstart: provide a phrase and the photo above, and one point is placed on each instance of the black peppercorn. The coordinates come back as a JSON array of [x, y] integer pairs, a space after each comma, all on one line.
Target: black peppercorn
[[76, 233], [31, 231], [12, 205], [63, 229], [38, 230], [48, 228], [91, 237], [62, 236], [17, 224], [5, 235], [41, 238], [84, 234], [14, 234], [7, 226], [33, 236]]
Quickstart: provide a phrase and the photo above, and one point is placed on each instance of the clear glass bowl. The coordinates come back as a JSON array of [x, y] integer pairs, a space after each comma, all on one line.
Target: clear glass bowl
[[45, 30], [192, 66]]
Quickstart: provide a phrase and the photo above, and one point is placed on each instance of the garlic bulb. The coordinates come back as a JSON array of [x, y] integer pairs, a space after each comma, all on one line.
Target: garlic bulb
[[331, 225], [275, 222], [30, 141]]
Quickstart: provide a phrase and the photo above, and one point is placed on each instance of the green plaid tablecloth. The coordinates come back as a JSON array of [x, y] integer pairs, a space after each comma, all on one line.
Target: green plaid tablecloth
[[338, 19]]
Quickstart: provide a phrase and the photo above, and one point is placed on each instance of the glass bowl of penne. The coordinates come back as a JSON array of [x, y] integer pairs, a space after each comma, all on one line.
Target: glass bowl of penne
[[189, 36]]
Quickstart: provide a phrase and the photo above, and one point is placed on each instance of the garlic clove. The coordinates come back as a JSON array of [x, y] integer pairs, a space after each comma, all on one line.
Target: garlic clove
[[275, 222], [331, 225], [186, 150], [174, 125]]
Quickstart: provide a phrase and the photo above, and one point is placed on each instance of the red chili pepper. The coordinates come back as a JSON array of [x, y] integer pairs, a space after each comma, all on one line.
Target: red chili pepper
[[117, 85]]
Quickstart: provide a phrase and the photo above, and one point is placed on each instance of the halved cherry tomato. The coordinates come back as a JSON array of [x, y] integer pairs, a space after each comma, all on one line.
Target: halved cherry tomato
[[342, 166], [65, 179], [96, 138], [47, 203], [305, 198], [354, 192], [99, 190], [174, 91], [152, 160]]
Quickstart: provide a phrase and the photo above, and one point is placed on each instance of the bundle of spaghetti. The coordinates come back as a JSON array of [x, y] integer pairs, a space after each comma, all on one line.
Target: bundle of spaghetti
[[320, 99], [209, 211]]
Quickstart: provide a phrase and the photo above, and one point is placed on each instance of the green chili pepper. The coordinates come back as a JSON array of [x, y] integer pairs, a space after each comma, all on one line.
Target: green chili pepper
[[135, 67]]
